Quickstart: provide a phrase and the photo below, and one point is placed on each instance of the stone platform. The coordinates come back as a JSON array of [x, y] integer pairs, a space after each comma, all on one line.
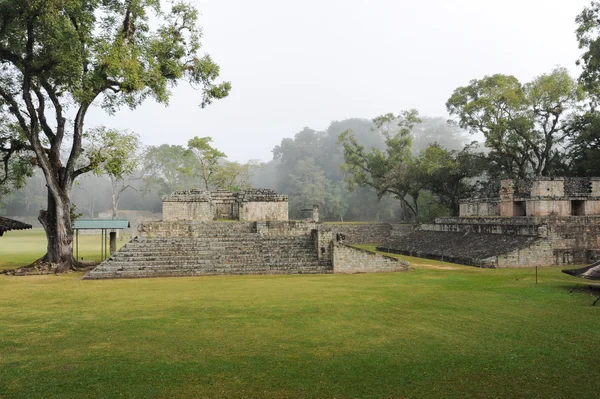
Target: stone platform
[[187, 248], [504, 242]]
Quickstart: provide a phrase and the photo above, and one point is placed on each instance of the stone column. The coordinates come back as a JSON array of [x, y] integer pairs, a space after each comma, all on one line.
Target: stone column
[[315, 214], [113, 242]]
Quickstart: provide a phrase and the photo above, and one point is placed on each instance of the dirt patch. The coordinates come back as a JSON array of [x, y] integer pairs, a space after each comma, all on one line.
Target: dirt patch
[[440, 267]]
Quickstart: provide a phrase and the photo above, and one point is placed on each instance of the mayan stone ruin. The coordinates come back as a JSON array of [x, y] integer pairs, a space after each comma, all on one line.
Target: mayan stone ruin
[[220, 232], [540, 222], [247, 205]]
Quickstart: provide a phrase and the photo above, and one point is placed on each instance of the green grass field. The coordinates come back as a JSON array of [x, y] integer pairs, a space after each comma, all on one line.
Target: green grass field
[[437, 331], [20, 248]]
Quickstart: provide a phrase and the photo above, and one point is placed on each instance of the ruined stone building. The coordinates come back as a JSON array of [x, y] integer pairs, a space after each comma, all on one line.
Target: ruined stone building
[[211, 233], [247, 205], [544, 221], [558, 196]]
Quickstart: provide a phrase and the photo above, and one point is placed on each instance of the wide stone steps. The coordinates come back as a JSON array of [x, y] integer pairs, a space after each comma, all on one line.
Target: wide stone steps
[[213, 254]]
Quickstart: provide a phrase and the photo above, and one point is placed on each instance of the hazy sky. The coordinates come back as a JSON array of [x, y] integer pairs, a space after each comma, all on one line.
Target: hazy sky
[[306, 63]]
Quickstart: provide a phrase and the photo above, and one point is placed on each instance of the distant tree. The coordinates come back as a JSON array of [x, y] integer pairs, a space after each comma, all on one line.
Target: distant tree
[[438, 130], [522, 124], [336, 200], [307, 187], [235, 176], [59, 57], [588, 37], [583, 152], [118, 157], [387, 171], [208, 159], [166, 169], [451, 175]]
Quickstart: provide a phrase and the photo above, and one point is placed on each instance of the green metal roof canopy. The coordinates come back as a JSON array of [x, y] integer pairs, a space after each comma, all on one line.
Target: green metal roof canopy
[[97, 224]]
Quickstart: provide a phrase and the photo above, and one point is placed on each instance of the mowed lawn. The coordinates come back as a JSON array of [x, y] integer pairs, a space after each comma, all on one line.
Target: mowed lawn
[[22, 247], [437, 331]]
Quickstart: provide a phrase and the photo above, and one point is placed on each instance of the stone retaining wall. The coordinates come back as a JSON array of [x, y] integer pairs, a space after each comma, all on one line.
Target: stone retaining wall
[[351, 260], [369, 233]]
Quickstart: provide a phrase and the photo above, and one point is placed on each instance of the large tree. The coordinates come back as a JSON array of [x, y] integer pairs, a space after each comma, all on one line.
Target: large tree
[[450, 175], [389, 171], [523, 125], [58, 57]]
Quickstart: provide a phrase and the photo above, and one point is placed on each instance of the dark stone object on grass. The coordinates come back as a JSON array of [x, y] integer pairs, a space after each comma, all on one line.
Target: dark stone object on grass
[[591, 272]]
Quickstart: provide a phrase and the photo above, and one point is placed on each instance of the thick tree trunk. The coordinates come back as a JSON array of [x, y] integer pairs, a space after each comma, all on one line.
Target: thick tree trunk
[[57, 224]]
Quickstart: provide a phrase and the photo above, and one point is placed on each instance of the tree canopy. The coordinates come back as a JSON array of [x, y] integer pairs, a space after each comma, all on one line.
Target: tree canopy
[[523, 125]]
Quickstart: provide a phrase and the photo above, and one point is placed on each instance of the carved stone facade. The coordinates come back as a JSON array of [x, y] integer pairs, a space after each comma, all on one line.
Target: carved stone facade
[[551, 196], [247, 206]]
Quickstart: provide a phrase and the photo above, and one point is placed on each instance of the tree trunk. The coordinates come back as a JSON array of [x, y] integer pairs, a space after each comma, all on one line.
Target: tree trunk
[[115, 202], [57, 224]]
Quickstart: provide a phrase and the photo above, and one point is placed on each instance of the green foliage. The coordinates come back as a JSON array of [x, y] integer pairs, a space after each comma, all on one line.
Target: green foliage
[[167, 169], [584, 149], [588, 37], [235, 176], [450, 175], [112, 152], [387, 171], [73, 213], [523, 124], [208, 159], [15, 161]]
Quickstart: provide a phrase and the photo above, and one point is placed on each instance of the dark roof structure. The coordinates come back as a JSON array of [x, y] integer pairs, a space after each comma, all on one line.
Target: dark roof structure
[[7, 224], [591, 272]]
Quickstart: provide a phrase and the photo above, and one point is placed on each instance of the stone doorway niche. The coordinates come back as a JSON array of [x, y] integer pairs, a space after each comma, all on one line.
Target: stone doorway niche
[[519, 208], [226, 211], [577, 208]]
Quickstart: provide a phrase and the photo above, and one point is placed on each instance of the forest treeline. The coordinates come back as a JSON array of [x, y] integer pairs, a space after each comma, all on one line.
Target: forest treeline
[[307, 167], [394, 167]]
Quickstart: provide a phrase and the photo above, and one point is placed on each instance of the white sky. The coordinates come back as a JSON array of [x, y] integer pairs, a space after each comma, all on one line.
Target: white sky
[[306, 63]]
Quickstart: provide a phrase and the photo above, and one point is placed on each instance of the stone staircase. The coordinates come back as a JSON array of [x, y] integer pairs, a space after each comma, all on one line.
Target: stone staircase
[[224, 248]]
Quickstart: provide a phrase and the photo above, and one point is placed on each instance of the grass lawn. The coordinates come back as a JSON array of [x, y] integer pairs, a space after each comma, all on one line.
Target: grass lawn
[[437, 331], [22, 247]]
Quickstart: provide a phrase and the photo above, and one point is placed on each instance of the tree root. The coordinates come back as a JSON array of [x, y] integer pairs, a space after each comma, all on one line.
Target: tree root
[[43, 267]]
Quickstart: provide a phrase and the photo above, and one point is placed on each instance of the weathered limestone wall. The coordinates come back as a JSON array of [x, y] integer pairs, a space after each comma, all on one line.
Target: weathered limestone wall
[[187, 229], [592, 207], [323, 240], [179, 210], [248, 205], [291, 228], [505, 226], [549, 207], [263, 211], [574, 240], [480, 207], [351, 260], [539, 253], [548, 188], [365, 233]]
